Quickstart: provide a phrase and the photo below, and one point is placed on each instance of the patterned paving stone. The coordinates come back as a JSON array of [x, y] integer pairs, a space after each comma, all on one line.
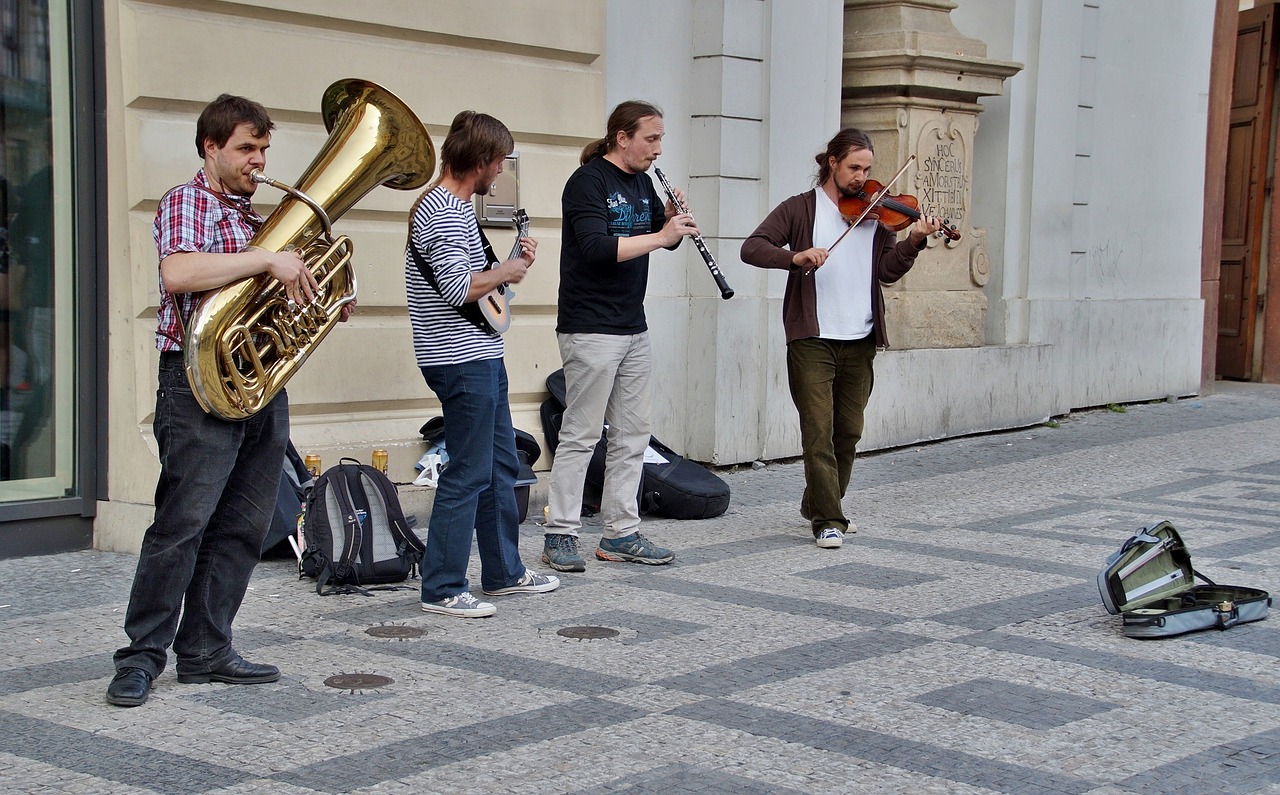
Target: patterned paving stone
[[354, 770], [687, 778], [1170, 673], [868, 576], [277, 704], [884, 749], [748, 672], [1032, 707], [51, 674], [1241, 766], [110, 759], [956, 644], [793, 603]]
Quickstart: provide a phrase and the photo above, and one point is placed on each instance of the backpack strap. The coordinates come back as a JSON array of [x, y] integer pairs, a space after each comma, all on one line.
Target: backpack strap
[[353, 535]]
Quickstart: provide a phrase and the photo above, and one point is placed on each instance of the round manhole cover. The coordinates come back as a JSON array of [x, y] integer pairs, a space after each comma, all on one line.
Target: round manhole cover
[[394, 631], [358, 681], [588, 633]]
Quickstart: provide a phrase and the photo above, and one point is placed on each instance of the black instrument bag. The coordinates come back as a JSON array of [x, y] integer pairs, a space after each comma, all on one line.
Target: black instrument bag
[[1150, 583], [295, 484], [671, 487], [527, 453]]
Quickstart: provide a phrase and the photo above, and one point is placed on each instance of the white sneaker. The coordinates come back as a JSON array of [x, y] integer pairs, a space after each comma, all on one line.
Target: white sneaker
[[830, 538], [531, 582], [464, 605]]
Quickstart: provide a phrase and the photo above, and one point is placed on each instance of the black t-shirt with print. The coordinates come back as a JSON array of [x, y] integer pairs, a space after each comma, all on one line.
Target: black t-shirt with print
[[598, 294]]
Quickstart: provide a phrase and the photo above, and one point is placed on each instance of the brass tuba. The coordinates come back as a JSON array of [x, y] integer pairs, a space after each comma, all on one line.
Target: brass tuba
[[246, 339]]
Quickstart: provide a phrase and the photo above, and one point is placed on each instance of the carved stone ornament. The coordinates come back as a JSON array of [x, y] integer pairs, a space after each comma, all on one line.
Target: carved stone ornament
[[979, 265]]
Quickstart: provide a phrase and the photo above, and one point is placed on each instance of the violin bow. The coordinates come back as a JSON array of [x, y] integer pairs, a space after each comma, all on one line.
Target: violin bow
[[871, 204]]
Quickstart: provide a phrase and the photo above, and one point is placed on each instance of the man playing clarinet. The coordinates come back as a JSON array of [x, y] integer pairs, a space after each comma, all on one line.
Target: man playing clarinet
[[611, 223]]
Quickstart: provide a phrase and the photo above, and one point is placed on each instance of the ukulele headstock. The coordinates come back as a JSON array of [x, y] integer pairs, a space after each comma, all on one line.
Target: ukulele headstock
[[521, 221]]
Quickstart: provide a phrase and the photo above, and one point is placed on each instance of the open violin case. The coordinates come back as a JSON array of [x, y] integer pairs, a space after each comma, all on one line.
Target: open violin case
[[1150, 583]]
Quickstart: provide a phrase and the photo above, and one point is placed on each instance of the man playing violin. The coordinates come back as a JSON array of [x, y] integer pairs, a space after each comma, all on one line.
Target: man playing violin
[[833, 316]]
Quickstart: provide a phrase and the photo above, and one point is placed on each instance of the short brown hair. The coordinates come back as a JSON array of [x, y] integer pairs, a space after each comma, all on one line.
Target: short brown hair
[[847, 140], [220, 118], [624, 119], [474, 140]]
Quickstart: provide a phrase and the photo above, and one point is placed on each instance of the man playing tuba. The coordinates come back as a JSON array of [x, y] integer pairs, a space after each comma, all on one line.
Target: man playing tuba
[[218, 478]]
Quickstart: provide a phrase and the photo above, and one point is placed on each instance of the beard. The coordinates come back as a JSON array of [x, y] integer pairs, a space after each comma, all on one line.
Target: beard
[[850, 190]]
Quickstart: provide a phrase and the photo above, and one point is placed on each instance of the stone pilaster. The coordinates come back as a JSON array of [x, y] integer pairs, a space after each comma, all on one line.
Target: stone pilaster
[[912, 81]]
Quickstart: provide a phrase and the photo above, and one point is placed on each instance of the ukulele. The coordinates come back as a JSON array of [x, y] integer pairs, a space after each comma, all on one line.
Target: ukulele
[[495, 305]]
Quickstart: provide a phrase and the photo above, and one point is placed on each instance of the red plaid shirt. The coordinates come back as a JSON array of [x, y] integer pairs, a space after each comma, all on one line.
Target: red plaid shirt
[[191, 218]]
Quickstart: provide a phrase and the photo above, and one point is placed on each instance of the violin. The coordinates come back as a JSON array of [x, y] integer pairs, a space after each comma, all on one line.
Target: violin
[[896, 211]]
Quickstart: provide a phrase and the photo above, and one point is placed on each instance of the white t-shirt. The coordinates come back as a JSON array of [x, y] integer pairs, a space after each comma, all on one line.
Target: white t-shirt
[[843, 282]]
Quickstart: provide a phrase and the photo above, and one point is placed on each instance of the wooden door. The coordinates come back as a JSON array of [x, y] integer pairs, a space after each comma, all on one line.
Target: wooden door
[[1246, 192]]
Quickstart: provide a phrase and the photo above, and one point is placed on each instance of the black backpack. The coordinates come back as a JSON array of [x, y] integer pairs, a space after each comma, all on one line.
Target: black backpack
[[355, 532], [675, 489]]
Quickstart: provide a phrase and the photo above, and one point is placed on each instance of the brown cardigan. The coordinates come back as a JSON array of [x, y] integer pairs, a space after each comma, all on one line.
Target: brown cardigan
[[788, 229]]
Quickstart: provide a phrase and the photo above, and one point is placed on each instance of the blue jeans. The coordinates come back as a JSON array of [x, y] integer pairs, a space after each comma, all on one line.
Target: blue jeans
[[831, 383], [217, 489], [477, 489]]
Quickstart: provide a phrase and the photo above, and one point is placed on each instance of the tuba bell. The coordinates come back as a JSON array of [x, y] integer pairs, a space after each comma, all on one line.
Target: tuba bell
[[246, 339]]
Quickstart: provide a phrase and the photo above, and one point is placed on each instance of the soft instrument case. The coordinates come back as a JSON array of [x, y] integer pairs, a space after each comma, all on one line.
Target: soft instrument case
[[670, 485], [1150, 583]]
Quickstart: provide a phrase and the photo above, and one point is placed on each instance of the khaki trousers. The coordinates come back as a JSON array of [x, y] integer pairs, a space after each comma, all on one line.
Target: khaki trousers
[[606, 380]]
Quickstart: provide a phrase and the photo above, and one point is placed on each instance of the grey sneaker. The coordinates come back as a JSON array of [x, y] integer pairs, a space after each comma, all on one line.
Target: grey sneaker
[[830, 538], [464, 605], [529, 583], [634, 548], [560, 552]]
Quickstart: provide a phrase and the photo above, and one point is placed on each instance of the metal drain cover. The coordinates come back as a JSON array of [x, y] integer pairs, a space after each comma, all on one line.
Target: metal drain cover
[[588, 633], [358, 681], [395, 631]]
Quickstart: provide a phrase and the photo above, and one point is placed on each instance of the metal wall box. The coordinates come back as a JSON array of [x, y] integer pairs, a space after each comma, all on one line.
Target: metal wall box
[[496, 207]]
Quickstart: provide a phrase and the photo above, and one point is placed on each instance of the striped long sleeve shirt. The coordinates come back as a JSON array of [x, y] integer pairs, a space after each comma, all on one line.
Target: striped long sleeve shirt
[[443, 231]]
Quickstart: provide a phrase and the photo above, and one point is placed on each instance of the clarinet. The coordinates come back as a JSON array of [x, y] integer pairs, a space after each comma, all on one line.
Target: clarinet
[[726, 292]]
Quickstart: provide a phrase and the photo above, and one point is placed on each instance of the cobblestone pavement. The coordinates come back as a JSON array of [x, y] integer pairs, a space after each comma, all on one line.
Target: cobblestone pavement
[[956, 644]]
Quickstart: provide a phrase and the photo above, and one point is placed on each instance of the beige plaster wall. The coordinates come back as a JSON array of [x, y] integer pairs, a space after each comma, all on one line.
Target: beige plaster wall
[[166, 60]]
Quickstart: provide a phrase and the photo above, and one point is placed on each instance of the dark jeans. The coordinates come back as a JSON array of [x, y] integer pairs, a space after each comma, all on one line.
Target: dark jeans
[[831, 383], [477, 489], [218, 486]]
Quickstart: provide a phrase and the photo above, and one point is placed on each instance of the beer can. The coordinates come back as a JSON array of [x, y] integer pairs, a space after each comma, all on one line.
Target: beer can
[[380, 461], [312, 463]]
